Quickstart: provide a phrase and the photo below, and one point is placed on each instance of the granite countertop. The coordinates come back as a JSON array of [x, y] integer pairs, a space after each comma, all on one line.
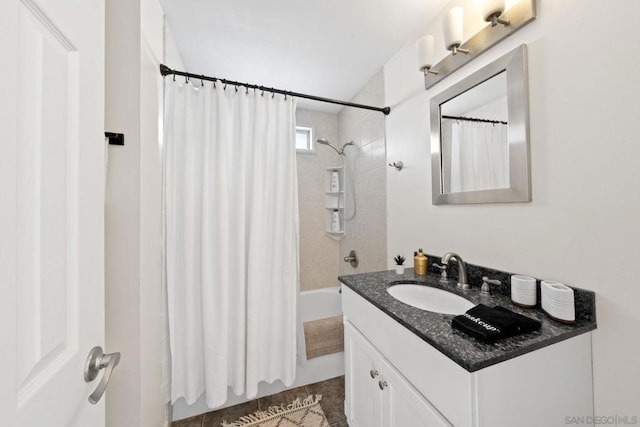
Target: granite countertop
[[468, 352]]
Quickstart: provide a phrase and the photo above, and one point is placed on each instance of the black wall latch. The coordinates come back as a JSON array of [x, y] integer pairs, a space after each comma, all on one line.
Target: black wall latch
[[115, 138]]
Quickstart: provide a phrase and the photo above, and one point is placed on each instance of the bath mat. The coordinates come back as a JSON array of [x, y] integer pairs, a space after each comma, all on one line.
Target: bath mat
[[305, 413], [324, 336]]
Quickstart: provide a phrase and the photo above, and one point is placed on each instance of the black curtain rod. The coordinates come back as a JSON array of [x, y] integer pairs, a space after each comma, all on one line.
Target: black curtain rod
[[473, 119], [164, 70]]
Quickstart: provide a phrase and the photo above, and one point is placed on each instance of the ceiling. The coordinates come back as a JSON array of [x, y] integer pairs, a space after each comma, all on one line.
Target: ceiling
[[327, 48]]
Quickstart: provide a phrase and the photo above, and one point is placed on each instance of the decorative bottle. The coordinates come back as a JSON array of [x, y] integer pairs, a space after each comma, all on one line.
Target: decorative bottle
[[335, 221], [335, 182], [420, 263]]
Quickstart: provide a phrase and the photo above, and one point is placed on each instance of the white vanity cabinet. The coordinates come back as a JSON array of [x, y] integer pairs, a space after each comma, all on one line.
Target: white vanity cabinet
[[377, 394], [395, 378]]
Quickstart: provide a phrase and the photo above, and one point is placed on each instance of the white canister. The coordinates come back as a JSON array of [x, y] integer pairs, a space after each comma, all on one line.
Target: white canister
[[558, 301], [335, 182], [524, 291], [335, 221]]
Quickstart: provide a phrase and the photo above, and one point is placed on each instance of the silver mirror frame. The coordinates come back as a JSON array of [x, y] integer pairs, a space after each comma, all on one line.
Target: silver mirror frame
[[515, 64]]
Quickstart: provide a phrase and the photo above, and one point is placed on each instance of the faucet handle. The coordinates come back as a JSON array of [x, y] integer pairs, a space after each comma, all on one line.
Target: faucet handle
[[443, 272], [485, 290]]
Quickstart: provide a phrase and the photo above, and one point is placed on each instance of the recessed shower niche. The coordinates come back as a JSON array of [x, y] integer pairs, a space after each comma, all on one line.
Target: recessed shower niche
[[334, 201]]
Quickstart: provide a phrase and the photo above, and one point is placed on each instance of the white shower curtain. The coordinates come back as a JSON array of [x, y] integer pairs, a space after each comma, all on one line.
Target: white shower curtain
[[231, 239], [479, 156]]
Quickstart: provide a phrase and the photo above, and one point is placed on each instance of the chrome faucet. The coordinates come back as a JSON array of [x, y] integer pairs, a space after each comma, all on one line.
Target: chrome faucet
[[462, 269]]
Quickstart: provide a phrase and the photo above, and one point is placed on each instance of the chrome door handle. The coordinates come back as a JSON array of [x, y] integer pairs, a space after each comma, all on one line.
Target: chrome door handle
[[97, 361]]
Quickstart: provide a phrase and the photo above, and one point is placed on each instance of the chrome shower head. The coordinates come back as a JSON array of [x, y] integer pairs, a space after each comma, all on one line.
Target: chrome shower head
[[324, 141]]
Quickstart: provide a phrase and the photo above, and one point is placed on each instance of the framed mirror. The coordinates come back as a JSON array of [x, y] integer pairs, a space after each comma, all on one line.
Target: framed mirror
[[480, 136]]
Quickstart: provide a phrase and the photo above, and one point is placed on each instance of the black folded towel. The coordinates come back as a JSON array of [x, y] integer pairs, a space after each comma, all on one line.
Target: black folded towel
[[491, 324]]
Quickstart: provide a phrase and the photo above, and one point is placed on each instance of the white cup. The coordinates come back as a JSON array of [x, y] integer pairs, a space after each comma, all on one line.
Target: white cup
[[523, 290]]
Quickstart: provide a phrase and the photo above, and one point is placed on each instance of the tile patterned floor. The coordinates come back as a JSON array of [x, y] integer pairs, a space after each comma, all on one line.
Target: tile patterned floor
[[332, 403]]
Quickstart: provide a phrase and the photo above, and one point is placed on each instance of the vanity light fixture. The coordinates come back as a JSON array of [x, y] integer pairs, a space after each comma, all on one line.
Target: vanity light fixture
[[425, 50], [452, 28], [492, 10]]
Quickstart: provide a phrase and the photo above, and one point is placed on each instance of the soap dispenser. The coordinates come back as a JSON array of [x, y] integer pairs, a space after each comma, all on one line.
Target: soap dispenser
[[420, 263]]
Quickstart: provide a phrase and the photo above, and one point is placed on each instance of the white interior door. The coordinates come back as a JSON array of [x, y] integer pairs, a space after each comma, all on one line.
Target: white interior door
[[52, 179]]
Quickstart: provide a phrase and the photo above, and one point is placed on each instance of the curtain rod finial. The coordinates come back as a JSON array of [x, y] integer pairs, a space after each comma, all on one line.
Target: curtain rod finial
[[164, 70]]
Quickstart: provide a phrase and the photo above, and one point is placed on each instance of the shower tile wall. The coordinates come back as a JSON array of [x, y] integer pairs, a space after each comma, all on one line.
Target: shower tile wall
[[319, 255], [367, 232]]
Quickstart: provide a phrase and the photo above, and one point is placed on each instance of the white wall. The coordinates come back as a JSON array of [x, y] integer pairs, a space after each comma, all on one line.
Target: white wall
[[582, 226], [134, 48], [153, 408], [122, 210]]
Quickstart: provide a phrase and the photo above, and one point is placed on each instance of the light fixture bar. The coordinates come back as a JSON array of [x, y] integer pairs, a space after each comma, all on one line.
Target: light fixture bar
[[518, 16]]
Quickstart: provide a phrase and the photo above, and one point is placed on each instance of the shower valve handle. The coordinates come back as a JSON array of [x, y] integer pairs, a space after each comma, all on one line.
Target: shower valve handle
[[352, 259]]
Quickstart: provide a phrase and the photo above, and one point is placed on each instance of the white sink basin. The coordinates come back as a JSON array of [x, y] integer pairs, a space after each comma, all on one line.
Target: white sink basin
[[430, 299]]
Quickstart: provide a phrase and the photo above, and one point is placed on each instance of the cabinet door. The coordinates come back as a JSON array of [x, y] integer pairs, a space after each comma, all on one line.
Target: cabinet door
[[363, 405], [403, 405]]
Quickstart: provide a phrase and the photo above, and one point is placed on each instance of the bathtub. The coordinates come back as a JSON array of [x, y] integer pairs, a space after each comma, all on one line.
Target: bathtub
[[320, 303], [313, 305]]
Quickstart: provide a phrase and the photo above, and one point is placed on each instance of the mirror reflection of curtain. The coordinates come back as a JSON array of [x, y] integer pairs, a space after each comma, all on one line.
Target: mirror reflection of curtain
[[479, 156]]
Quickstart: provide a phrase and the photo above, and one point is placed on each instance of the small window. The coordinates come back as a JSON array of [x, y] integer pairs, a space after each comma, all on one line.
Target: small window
[[304, 139]]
